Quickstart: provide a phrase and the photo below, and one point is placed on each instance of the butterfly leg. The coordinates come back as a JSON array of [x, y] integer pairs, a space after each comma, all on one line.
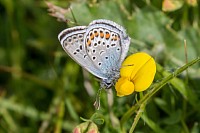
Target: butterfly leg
[[97, 101]]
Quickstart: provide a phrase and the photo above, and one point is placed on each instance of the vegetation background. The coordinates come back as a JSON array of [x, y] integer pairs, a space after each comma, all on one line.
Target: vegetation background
[[43, 90]]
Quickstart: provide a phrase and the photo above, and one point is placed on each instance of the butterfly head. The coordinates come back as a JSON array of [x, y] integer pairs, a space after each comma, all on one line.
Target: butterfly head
[[109, 82]]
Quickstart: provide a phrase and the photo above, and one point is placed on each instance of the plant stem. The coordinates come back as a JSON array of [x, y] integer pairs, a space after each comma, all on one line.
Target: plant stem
[[137, 117]]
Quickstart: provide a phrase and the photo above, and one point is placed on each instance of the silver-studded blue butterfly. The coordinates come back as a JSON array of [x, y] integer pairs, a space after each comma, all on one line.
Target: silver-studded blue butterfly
[[100, 48]]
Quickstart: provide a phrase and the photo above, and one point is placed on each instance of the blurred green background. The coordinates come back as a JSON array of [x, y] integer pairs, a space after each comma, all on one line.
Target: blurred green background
[[43, 90]]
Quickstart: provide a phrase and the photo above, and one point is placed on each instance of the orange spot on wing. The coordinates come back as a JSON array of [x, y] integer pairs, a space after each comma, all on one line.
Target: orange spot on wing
[[115, 38], [101, 34], [91, 36], [88, 42], [96, 34], [107, 36]]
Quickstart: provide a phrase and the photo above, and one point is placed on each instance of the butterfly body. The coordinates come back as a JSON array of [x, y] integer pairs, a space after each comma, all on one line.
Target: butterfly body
[[100, 48]]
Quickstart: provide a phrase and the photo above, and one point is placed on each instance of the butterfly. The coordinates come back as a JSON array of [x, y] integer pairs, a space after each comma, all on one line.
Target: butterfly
[[100, 48]]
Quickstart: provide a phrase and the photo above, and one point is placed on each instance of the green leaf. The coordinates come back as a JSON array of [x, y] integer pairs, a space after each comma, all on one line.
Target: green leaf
[[147, 25], [154, 126], [162, 104], [97, 118], [192, 37], [174, 118], [195, 128], [85, 13]]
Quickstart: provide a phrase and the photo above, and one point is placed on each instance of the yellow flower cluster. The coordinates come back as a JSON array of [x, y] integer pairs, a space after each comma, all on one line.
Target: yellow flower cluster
[[136, 74]]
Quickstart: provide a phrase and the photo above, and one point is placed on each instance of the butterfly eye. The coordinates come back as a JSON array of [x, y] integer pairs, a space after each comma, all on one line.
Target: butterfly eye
[[108, 85]]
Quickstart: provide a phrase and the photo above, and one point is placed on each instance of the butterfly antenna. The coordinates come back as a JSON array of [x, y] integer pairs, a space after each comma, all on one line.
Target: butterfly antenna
[[97, 101], [127, 65]]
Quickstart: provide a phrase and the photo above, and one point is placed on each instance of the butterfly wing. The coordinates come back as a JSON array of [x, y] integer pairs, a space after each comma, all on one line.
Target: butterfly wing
[[125, 39], [72, 41], [107, 45]]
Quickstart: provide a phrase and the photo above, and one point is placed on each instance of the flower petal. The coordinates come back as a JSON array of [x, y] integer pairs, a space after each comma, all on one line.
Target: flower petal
[[145, 75], [133, 63], [137, 73], [124, 87]]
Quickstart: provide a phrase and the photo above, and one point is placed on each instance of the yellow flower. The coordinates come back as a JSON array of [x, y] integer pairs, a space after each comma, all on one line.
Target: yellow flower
[[136, 74]]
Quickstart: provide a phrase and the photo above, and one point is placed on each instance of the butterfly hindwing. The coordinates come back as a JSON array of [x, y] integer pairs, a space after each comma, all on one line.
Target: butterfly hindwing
[[103, 48], [124, 38], [104, 44], [72, 41]]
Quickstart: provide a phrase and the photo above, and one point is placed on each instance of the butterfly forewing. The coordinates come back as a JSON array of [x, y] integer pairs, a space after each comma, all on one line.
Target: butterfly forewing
[[72, 41]]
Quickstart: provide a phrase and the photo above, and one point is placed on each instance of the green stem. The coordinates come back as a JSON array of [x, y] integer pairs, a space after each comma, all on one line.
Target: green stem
[[185, 128], [59, 121], [156, 87], [137, 117]]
